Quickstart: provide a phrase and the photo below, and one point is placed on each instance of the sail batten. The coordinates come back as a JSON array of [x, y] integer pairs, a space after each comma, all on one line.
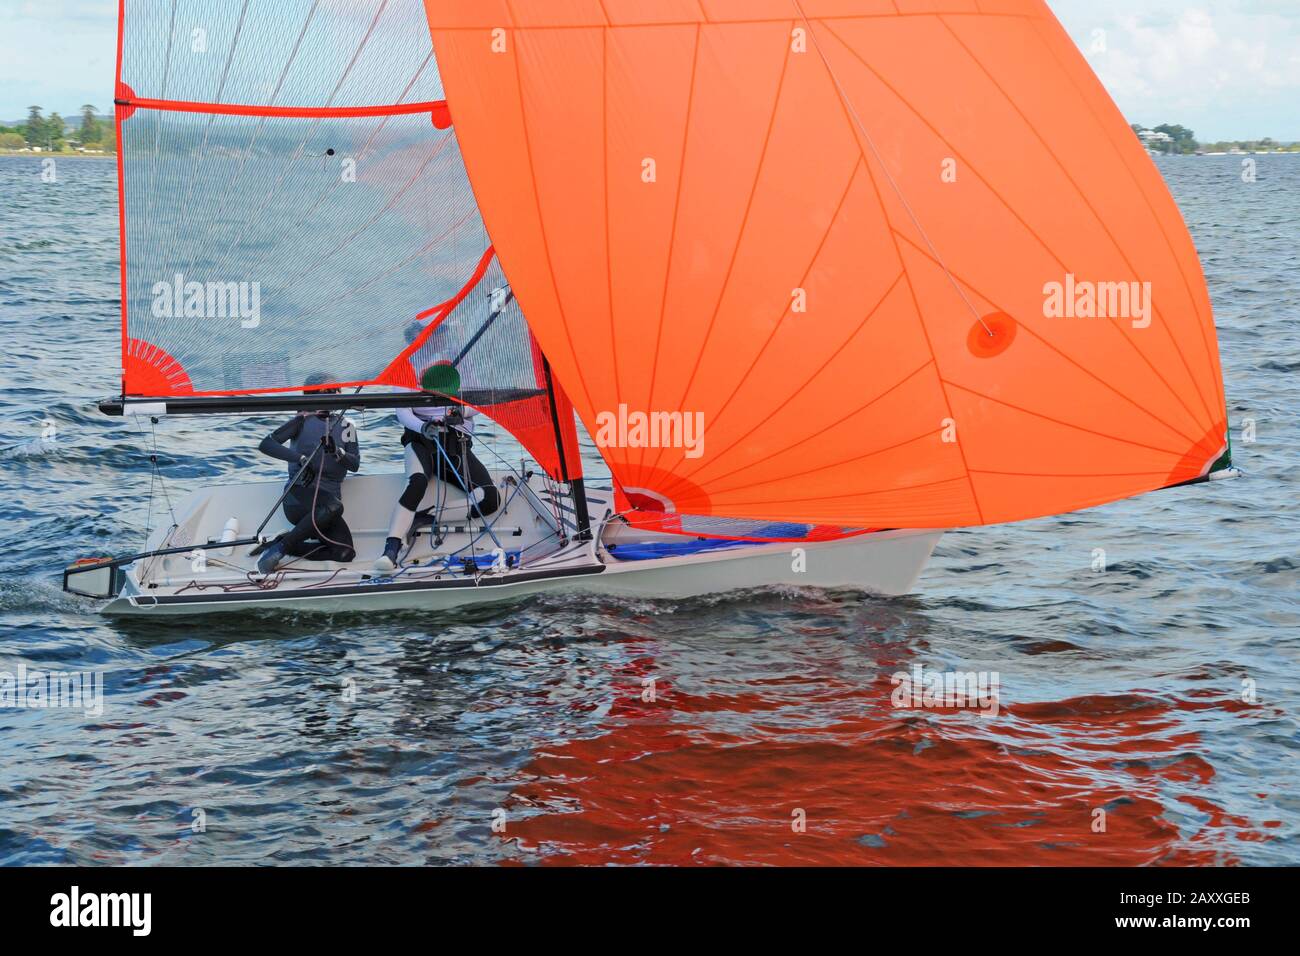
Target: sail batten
[[862, 244]]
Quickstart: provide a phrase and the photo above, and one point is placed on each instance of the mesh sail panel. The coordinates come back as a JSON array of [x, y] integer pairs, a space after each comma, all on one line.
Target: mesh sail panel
[[255, 258], [332, 53], [294, 201]]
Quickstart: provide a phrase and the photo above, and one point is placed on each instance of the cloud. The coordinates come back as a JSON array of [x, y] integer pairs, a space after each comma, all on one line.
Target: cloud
[[58, 54], [1229, 69]]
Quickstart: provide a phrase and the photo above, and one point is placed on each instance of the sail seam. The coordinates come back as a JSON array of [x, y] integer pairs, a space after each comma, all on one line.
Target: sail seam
[[851, 496], [207, 128], [364, 152], [839, 349], [838, 422], [740, 234], [898, 190], [1028, 228], [257, 131], [672, 235], [298, 151], [1211, 353], [388, 207], [928, 434], [1091, 374], [609, 242], [803, 281], [1052, 474], [541, 219], [1061, 422], [1083, 196], [856, 129]]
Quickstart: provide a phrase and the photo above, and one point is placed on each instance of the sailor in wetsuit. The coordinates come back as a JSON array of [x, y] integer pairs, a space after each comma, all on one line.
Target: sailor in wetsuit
[[437, 441], [325, 447]]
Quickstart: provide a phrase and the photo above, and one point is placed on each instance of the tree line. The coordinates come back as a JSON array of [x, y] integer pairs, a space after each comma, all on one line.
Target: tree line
[[1183, 141], [51, 133]]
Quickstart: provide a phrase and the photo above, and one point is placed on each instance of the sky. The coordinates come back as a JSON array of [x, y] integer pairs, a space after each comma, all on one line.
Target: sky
[[1228, 69]]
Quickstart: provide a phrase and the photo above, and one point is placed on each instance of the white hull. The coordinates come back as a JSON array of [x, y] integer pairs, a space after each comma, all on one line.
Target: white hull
[[886, 563]]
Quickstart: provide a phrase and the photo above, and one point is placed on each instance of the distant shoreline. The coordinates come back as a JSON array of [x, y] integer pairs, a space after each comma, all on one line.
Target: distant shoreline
[[68, 155]]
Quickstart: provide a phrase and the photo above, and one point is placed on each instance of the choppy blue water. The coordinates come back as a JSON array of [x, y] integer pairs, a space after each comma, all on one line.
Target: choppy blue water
[[1122, 691]]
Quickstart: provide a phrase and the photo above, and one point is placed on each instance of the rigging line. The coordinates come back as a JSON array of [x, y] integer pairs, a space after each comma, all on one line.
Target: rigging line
[[153, 430], [315, 498], [857, 119], [440, 508], [1083, 196], [464, 482], [491, 524]]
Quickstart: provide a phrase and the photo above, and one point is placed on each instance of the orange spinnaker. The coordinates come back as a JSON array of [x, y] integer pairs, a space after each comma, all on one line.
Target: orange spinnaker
[[830, 227]]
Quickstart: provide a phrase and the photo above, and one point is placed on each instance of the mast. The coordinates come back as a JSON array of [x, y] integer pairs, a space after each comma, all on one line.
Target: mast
[[576, 485]]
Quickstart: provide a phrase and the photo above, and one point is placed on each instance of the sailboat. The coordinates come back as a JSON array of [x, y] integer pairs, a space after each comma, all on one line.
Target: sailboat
[[821, 279]]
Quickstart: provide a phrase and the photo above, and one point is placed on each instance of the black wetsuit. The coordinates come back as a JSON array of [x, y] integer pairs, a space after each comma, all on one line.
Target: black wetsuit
[[449, 456], [315, 505]]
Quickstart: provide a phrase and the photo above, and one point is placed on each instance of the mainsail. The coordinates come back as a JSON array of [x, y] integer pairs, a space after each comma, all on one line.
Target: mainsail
[[902, 261], [295, 208]]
